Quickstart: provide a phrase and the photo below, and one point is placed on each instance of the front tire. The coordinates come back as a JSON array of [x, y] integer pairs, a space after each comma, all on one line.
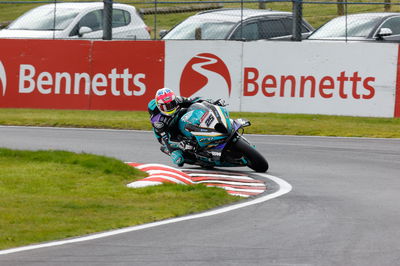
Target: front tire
[[254, 159]]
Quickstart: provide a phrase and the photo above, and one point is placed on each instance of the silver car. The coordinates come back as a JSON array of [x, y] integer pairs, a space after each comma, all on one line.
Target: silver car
[[77, 20], [236, 24], [361, 27]]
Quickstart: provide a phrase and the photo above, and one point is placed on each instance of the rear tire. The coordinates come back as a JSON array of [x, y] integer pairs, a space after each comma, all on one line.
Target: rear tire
[[255, 160]]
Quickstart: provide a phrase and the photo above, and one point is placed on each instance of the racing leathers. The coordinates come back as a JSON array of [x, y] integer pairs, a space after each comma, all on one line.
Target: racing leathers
[[167, 131]]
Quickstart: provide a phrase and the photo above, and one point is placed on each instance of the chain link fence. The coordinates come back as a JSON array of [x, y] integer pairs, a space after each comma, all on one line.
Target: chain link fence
[[235, 20], [362, 20]]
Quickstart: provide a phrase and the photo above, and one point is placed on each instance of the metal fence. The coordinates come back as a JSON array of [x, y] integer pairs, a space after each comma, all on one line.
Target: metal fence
[[235, 20]]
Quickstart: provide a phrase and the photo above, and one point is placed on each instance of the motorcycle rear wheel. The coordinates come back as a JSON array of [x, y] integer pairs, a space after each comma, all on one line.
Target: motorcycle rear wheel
[[255, 160]]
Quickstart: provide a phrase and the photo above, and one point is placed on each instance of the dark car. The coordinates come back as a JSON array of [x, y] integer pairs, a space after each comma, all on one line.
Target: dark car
[[236, 24], [361, 27]]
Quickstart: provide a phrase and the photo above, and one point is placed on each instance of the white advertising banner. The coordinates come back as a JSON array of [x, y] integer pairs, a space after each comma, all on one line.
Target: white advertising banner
[[209, 69], [357, 79]]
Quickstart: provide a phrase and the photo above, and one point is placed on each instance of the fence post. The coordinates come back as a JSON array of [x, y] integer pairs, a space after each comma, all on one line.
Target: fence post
[[107, 20], [387, 5], [297, 11], [340, 7], [262, 5], [155, 20]]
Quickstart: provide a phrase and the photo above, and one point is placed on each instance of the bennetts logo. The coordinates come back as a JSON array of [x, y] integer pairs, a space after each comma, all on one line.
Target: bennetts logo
[[206, 75], [116, 83], [3, 79]]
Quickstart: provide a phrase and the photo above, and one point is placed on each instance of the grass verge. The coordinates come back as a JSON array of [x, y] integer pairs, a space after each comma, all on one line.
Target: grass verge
[[262, 123], [315, 13], [49, 195]]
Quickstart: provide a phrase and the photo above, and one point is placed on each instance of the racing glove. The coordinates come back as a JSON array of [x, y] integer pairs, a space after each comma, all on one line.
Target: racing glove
[[185, 146]]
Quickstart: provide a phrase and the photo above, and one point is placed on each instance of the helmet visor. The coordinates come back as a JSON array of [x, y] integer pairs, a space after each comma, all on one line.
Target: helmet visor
[[168, 108]]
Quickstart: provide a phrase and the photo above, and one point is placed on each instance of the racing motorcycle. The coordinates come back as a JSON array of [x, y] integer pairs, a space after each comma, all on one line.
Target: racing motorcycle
[[218, 140]]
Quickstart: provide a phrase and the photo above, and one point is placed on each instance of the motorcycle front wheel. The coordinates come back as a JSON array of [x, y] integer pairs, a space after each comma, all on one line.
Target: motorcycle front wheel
[[255, 160]]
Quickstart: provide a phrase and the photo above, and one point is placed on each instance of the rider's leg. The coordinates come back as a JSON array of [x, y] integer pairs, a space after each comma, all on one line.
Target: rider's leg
[[177, 158]]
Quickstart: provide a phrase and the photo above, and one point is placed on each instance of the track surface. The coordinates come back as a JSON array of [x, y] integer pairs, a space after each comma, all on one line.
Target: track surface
[[343, 209]]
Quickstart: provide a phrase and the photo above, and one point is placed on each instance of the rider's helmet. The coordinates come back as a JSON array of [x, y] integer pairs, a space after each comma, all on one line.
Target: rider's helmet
[[166, 101]]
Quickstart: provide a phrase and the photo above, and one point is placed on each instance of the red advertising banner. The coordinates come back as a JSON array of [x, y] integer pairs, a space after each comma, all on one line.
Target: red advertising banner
[[134, 71], [72, 74]]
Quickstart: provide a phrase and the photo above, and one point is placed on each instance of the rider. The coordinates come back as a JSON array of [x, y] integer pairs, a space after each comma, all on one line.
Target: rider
[[165, 111]]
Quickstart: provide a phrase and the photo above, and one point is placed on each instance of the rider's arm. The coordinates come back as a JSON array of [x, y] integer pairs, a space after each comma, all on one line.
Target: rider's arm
[[157, 135], [166, 141], [161, 131], [186, 102]]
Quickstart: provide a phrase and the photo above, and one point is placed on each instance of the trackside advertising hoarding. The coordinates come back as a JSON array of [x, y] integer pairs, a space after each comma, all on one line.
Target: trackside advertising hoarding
[[65, 74], [397, 93], [358, 79], [352, 79], [210, 70]]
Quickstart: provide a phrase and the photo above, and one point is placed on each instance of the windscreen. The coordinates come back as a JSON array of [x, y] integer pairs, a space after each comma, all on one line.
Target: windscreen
[[346, 27], [45, 18], [197, 106], [205, 29]]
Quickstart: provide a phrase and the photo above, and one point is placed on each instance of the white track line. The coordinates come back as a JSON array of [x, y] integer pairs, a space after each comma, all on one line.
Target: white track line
[[227, 176], [284, 187], [233, 183]]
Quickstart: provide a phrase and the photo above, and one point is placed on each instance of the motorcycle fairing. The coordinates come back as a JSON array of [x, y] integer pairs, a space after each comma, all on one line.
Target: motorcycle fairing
[[201, 121]]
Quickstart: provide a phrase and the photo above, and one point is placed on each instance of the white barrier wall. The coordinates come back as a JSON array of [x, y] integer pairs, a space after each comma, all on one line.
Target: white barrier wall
[[357, 79], [205, 68]]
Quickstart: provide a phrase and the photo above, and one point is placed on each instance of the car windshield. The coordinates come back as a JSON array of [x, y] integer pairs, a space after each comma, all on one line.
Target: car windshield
[[346, 27], [207, 30], [45, 18]]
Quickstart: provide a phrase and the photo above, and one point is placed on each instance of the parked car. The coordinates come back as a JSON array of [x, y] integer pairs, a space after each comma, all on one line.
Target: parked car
[[236, 24], [361, 27], [76, 20]]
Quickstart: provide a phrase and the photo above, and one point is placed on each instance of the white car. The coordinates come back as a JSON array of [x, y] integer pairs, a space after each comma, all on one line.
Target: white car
[[375, 27], [237, 24], [77, 20]]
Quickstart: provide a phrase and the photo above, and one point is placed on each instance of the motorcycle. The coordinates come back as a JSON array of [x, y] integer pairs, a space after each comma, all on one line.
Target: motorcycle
[[217, 139]]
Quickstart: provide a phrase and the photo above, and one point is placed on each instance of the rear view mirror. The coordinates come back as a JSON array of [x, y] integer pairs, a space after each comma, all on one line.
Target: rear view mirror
[[243, 122], [162, 33], [84, 30], [384, 32]]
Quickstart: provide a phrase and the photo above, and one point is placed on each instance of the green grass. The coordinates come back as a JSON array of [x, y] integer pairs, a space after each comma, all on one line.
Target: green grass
[[262, 123], [75, 118], [322, 125], [315, 14], [49, 195]]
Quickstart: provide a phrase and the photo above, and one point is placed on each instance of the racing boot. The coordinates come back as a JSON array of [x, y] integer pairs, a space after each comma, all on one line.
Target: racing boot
[[164, 149], [177, 158]]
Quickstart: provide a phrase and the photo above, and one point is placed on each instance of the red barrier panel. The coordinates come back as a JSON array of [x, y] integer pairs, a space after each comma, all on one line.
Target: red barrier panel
[[29, 67], [72, 74], [135, 72]]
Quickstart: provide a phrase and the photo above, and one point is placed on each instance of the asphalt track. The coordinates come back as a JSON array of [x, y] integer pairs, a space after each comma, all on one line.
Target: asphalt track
[[343, 209]]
